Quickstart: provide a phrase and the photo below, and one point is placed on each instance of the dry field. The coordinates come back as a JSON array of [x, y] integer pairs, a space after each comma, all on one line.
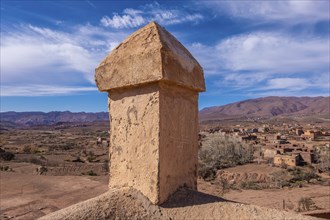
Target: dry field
[[286, 198], [57, 166], [28, 196], [53, 167]]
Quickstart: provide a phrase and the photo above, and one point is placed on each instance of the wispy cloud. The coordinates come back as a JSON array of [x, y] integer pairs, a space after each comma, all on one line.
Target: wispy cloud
[[124, 21], [43, 90], [288, 83], [320, 81], [289, 11], [90, 3], [131, 18], [267, 61], [259, 53], [36, 55], [291, 59], [207, 56], [274, 52]]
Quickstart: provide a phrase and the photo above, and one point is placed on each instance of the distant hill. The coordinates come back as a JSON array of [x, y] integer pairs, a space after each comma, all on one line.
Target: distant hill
[[50, 118], [267, 107], [260, 107]]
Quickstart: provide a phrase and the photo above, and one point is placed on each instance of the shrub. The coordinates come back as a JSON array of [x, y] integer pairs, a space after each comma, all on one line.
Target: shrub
[[7, 156], [105, 166], [42, 170], [104, 134], [27, 149], [293, 177], [91, 156], [299, 175], [206, 172], [65, 146], [224, 185], [219, 152], [37, 161], [6, 168], [280, 179], [250, 185], [305, 204], [90, 173], [37, 151], [78, 160]]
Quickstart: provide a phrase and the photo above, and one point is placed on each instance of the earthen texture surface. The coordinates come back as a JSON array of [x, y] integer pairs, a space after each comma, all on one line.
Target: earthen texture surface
[[178, 147], [134, 139], [153, 139], [148, 55], [185, 204], [153, 84]]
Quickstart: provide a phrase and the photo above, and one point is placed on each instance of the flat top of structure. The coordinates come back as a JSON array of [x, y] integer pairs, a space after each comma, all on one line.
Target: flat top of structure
[[150, 54]]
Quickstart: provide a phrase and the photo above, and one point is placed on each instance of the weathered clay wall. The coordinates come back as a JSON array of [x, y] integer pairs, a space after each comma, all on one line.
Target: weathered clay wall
[[178, 139], [134, 139], [139, 54], [153, 83], [153, 137], [151, 54]]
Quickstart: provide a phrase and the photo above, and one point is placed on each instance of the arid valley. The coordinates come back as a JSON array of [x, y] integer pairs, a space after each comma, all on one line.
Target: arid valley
[[165, 110], [46, 167]]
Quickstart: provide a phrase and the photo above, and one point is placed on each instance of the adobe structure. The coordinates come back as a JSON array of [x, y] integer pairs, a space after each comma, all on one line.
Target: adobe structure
[[153, 83]]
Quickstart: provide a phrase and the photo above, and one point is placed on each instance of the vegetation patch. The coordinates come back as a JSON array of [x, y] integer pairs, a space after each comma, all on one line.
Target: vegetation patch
[[7, 156], [218, 152], [90, 173]]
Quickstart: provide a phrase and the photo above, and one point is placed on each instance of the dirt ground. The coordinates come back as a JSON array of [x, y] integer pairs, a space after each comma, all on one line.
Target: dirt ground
[[282, 199], [127, 203], [26, 196], [70, 153], [273, 198]]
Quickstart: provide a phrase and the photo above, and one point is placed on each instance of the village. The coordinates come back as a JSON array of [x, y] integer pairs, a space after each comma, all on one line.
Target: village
[[286, 145]]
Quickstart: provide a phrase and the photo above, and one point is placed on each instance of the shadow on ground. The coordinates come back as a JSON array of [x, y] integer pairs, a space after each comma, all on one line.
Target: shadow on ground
[[187, 197]]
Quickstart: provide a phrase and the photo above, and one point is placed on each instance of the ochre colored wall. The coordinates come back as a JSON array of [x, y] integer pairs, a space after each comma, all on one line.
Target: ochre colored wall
[[178, 152], [134, 139]]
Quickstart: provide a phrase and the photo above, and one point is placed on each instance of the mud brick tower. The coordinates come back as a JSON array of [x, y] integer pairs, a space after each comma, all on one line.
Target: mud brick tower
[[153, 84]]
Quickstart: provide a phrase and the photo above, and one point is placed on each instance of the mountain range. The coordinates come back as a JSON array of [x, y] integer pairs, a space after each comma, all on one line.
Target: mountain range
[[260, 107], [268, 107], [51, 118]]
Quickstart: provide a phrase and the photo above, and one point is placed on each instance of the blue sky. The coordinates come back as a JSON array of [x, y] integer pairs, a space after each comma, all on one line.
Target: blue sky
[[248, 49]]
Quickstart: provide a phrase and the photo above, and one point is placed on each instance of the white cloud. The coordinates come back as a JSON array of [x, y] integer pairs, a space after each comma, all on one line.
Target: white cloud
[[43, 90], [262, 62], [131, 18], [264, 53], [132, 11], [288, 11], [243, 80], [319, 81], [33, 55], [125, 21], [291, 59], [288, 83], [273, 52], [207, 57]]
